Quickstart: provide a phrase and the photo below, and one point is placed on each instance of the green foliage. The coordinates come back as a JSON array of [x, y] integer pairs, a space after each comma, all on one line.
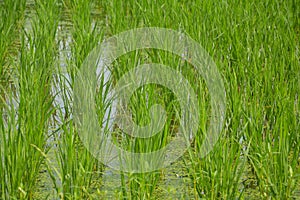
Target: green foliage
[[255, 46]]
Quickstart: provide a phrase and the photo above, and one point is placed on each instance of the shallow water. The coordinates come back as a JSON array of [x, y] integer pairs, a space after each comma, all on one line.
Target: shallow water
[[174, 185]]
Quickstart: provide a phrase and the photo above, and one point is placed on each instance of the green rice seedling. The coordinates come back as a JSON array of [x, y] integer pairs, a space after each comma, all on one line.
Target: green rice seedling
[[77, 167], [143, 185], [122, 16], [250, 69], [255, 46], [240, 39], [11, 20], [85, 33], [29, 114], [271, 114]]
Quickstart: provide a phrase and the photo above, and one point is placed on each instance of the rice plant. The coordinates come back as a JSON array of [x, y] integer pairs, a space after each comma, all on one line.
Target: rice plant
[[255, 46]]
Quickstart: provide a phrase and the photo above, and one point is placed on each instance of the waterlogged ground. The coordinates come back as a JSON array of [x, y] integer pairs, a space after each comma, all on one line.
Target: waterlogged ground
[[178, 181], [174, 183]]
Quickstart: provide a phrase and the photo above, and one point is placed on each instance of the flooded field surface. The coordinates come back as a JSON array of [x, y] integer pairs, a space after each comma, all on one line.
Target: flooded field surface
[[213, 84]]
